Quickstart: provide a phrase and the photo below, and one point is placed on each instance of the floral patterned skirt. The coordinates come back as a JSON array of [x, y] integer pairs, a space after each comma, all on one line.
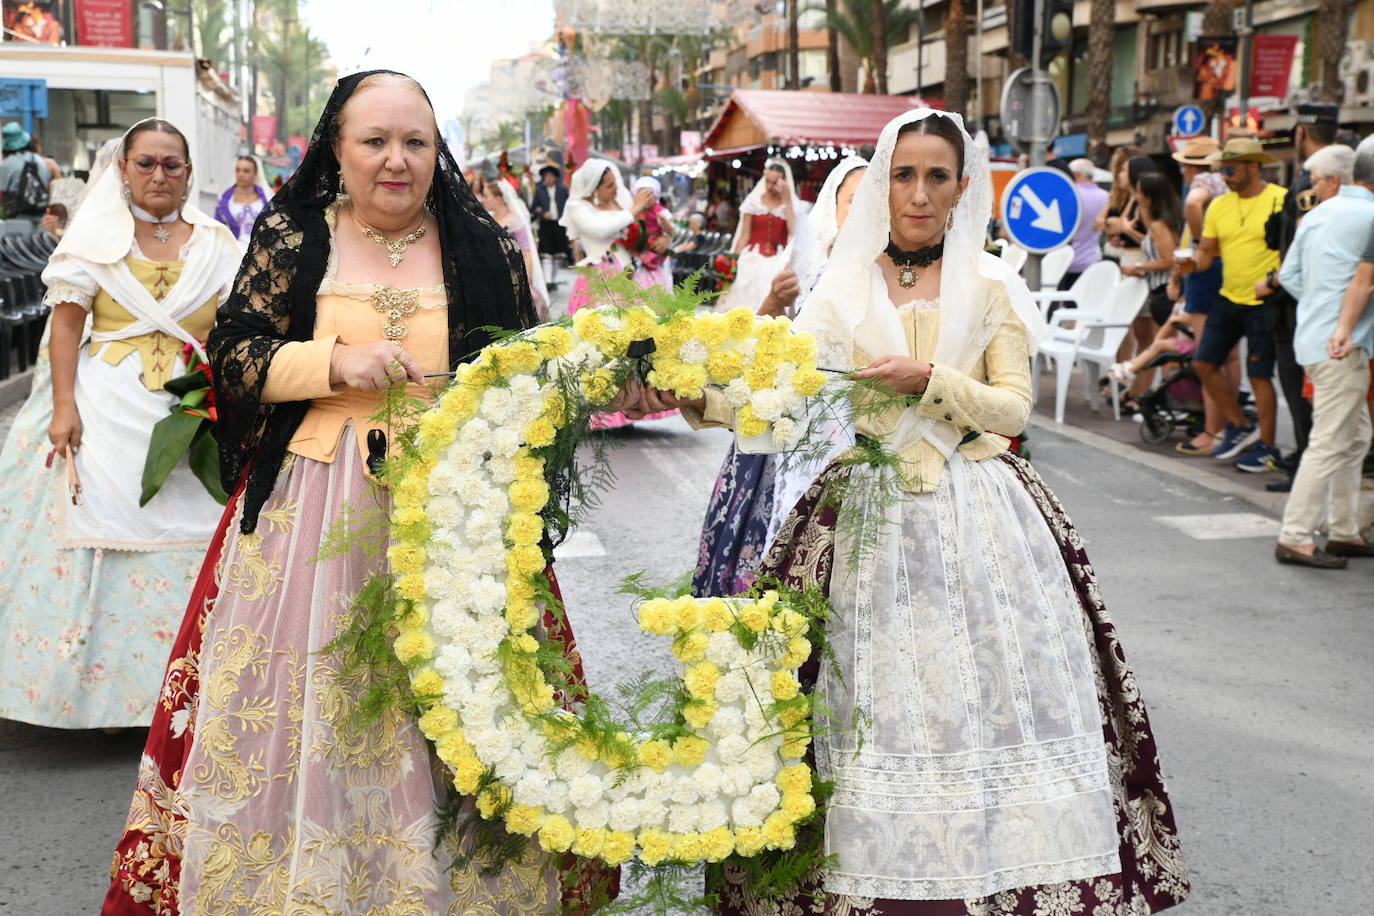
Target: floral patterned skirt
[[1152, 876], [735, 533], [256, 792], [84, 633]]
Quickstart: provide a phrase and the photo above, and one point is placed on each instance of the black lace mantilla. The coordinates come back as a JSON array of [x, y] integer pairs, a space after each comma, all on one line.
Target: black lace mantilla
[[273, 300]]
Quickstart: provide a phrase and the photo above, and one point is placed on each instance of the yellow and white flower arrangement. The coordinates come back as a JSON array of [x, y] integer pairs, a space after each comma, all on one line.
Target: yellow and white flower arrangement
[[728, 776]]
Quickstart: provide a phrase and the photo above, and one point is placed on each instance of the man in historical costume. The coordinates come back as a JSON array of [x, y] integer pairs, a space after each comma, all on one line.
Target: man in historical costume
[[550, 199]]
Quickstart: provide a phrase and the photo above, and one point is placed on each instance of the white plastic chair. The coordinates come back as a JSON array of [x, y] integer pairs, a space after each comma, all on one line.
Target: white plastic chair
[[1090, 291], [1054, 264], [1091, 342]]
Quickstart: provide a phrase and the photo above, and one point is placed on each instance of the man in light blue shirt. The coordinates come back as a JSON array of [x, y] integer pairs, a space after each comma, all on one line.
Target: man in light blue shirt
[[1320, 266]]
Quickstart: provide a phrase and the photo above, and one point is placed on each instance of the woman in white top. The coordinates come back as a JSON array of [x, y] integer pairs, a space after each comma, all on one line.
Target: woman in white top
[[240, 204], [90, 594], [506, 207]]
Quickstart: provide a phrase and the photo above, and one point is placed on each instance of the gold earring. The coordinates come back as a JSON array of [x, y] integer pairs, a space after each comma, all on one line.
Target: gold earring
[[949, 224], [342, 191]]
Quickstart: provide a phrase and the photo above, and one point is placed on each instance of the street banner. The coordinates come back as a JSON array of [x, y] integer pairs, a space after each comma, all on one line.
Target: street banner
[[629, 153], [1214, 68], [28, 21], [105, 23], [691, 142], [576, 120], [1272, 63], [648, 151], [264, 130]]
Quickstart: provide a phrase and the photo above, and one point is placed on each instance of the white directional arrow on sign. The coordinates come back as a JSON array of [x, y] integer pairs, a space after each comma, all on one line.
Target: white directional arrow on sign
[[1047, 218]]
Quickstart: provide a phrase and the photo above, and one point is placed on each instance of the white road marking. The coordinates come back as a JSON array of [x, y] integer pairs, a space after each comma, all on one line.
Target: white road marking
[[1223, 527], [580, 544]]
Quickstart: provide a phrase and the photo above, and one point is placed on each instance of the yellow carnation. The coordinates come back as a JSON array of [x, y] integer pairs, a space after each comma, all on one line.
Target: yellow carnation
[[599, 387], [641, 322], [699, 713], [691, 647], [527, 643], [687, 611], [795, 749], [740, 322], [749, 841], [748, 424], [716, 845], [416, 616], [716, 615], [403, 516], [523, 819], [540, 433], [713, 330], [590, 842], [525, 559], [784, 685], [654, 846], [412, 489], [789, 622], [725, 366], [520, 589], [617, 846], [462, 402], [521, 615], [808, 382], [411, 586], [778, 832], [492, 799], [452, 748], [426, 682], [759, 376], [656, 754], [797, 805], [588, 325], [436, 720], [794, 713], [556, 834], [656, 616], [754, 617], [529, 494], [556, 408], [795, 778], [467, 774], [701, 680], [525, 528], [690, 750], [553, 341], [588, 747], [688, 847], [413, 646], [800, 348]]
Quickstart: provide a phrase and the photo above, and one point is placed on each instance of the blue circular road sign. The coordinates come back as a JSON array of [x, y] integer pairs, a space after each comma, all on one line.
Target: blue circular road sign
[[1188, 121], [1041, 209]]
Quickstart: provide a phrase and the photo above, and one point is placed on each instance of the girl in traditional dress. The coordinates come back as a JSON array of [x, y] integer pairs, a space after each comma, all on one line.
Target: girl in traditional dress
[[92, 586], [241, 202], [506, 207], [657, 224], [600, 213], [988, 746], [766, 237], [259, 792], [743, 514]]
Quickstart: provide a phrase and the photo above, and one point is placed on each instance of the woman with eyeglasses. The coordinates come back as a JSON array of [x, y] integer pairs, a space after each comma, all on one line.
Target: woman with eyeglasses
[[94, 574]]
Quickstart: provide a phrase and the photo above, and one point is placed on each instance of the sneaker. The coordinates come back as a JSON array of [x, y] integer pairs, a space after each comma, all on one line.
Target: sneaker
[[1257, 458], [1234, 440]]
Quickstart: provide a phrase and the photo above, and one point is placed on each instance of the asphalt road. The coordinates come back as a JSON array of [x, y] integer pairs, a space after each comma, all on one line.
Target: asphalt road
[[1256, 677]]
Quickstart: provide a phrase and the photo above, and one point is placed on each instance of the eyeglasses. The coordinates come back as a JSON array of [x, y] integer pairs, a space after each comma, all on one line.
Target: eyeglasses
[[171, 167]]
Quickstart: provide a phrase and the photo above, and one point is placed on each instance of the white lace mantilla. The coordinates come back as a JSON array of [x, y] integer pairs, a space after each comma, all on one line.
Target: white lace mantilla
[[966, 744]]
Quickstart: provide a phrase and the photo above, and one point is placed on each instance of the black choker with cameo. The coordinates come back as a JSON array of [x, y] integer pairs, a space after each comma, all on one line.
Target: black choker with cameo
[[908, 261]]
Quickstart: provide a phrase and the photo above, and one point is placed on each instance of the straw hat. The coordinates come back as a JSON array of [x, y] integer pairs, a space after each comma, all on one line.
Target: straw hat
[[1196, 151], [1241, 149]]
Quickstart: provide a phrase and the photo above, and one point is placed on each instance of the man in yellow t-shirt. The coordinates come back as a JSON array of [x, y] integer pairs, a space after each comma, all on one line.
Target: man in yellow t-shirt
[[1233, 230]]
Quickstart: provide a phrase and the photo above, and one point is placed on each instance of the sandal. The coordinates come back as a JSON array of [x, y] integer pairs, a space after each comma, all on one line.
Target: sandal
[[1122, 372], [1192, 449]]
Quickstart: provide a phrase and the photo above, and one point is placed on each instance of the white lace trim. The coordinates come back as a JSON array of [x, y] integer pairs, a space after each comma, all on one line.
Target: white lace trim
[[67, 291], [980, 886]]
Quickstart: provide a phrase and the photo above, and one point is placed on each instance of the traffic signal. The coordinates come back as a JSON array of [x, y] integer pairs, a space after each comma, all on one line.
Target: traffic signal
[[1056, 28]]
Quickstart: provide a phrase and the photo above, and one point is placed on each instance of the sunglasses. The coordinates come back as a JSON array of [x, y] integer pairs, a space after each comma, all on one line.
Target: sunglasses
[[171, 167], [1230, 169]]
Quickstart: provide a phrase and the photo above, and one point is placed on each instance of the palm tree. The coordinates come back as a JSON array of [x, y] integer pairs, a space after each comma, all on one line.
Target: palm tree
[[1101, 34], [956, 58], [212, 28], [880, 44], [1329, 28], [291, 60], [832, 51], [853, 20]]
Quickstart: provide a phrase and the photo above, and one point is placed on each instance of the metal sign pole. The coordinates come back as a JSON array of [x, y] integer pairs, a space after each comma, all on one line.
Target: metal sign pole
[[1031, 272]]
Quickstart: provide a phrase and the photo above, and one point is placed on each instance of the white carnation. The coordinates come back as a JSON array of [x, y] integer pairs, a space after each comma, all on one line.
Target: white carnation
[[730, 688], [493, 499], [488, 594], [728, 722], [476, 434], [505, 442], [532, 789], [682, 819], [762, 763], [784, 378], [764, 797], [572, 765], [737, 393], [694, 351], [711, 814], [767, 404], [501, 469], [497, 404], [685, 790], [442, 477], [585, 790], [524, 388], [785, 433], [742, 813], [439, 583], [482, 527], [593, 815], [556, 798], [747, 347], [736, 781], [624, 815], [444, 511]]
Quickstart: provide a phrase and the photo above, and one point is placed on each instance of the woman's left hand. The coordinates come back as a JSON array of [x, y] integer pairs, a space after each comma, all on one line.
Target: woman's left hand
[[902, 374]]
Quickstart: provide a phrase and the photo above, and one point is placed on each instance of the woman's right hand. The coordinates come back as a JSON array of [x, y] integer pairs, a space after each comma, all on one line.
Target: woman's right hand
[[372, 366], [65, 428], [644, 201]]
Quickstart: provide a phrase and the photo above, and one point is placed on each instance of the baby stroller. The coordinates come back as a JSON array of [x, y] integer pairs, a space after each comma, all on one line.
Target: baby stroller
[[1176, 402]]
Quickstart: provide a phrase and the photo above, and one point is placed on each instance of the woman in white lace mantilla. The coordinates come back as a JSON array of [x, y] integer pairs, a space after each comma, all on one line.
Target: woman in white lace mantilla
[[769, 238], [989, 749]]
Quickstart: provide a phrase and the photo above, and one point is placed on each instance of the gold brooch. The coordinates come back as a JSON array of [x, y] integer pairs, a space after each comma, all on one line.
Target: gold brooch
[[395, 306]]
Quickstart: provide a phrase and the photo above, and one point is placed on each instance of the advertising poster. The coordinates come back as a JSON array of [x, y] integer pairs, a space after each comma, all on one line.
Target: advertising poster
[[32, 21], [104, 23], [1214, 67], [1272, 63]]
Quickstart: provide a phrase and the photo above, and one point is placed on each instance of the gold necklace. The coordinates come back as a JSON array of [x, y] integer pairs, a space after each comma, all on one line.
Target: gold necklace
[[395, 305], [395, 247]]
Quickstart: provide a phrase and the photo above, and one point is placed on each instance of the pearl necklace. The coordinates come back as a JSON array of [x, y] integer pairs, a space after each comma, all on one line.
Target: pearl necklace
[[160, 233]]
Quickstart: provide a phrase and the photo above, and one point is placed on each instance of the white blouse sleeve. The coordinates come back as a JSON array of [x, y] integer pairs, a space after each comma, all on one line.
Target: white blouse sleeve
[[68, 280], [602, 225]]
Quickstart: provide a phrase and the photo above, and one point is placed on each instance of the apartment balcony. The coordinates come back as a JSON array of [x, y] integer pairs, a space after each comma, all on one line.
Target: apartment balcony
[[902, 62], [766, 39]]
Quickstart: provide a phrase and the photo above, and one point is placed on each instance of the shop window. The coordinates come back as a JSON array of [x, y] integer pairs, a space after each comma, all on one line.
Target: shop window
[[1166, 50]]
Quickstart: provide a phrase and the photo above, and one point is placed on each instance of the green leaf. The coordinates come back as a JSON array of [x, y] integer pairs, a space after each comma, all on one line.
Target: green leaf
[[195, 398], [204, 457], [171, 438], [184, 384]]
